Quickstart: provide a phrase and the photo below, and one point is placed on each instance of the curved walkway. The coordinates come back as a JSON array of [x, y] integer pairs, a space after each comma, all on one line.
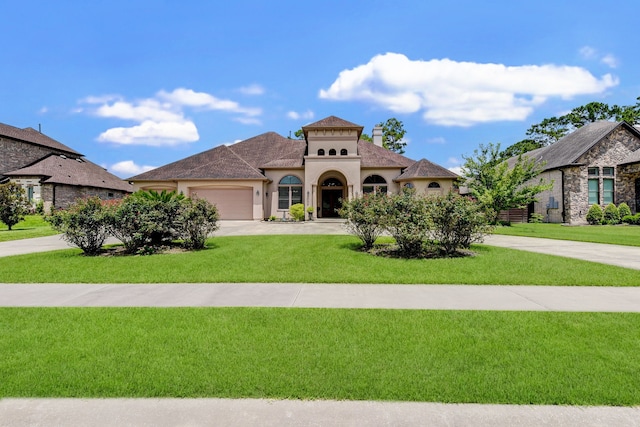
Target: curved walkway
[[264, 412]]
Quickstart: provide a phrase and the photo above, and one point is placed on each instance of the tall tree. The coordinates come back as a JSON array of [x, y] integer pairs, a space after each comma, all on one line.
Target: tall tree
[[13, 204], [392, 134], [498, 185]]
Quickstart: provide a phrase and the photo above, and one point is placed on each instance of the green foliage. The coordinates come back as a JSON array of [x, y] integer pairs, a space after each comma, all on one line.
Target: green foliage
[[595, 215], [499, 186], [13, 204], [297, 211], [519, 148], [198, 219], [392, 135], [363, 217], [40, 207], [631, 219], [163, 196], [624, 209], [611, 214], [407, 219], [457, 222], [536, 218], [82, 224]]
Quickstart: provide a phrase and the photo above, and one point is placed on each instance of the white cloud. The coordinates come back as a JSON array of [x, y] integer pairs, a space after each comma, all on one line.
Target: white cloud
[[160, 120], [128, 168], [436, 140], [588, 52], [456, 169], [452, 93], [254, 89], [294, 115]]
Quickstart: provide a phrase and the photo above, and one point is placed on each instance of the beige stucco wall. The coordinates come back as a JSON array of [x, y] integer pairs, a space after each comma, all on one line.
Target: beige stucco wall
[[271, 190], [422, 186]]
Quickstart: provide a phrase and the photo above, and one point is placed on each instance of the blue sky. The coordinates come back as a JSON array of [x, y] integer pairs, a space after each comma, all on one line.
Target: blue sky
[[137, 84]]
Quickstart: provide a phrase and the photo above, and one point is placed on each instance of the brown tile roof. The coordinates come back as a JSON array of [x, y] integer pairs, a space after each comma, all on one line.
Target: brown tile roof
[[58, 169], [373, 156], [425, 169], [34, 137]]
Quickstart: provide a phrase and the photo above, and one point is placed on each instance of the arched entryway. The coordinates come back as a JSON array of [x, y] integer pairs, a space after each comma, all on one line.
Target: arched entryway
[[332, 192]]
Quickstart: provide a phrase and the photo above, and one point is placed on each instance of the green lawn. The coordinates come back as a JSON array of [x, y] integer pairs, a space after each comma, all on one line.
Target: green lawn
[[628, 235], [32, 226], [405, 355], [310, 259]]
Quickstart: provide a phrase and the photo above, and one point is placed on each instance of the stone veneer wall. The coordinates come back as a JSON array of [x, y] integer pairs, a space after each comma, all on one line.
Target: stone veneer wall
[[607, 153], [540, 207], [626, 185]]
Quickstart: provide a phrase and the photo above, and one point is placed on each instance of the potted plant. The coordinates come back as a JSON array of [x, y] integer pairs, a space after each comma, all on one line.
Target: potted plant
[[310, 212]]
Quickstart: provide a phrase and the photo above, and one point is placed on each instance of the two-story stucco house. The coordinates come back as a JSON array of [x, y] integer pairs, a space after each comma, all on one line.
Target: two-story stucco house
[[598, 163], [263, 176]]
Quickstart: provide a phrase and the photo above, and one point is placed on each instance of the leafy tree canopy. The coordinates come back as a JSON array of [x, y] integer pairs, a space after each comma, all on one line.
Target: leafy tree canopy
[[499, 186], [13, 204], [552, 129]]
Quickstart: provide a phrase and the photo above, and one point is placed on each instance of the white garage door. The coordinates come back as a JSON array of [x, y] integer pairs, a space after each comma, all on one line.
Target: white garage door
[[232, 203]]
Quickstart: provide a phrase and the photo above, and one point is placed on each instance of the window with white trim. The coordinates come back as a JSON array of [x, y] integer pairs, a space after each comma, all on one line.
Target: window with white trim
[[374, 184], [289, 191]]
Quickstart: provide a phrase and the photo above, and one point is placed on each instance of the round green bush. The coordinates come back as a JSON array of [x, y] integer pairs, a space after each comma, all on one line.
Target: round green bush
[[595, 215], [611, 214], [297, 211], [624, 209]]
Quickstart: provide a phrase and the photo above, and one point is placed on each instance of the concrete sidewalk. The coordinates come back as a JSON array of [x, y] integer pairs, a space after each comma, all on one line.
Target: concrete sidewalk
[[298, 413], [419, 297]]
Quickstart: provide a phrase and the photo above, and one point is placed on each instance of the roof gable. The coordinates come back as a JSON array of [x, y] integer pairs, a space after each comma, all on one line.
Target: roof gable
[[332, 122], [32, 136], [56, 169], [569, 149], [426, 169]]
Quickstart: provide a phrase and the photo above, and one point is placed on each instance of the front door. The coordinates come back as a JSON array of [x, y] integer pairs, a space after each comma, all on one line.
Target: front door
[[331, 202]]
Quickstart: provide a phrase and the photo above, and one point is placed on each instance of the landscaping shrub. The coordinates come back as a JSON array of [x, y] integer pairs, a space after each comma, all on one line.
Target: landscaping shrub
[[133, 221], [611, 214], [536, 218], [363, 216], [632, 219], [595, 215], [624, 210], [166, 206], [457, 222], [13, 204], [82, 224], [406, 218], [297, 211], [198, 218]]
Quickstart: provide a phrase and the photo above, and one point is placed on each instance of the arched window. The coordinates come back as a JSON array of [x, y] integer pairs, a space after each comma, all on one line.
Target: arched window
[[289, 191], [343, 152], [434, 185], [374, 184], [331, 182], [321, 152], [408, 185], [332, 152]]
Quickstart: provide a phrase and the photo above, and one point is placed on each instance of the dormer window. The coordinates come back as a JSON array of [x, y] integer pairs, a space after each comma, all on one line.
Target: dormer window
[[332, 152], [321, 152]]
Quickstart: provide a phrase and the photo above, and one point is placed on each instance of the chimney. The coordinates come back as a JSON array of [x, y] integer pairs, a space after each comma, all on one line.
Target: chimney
[[377, 135]]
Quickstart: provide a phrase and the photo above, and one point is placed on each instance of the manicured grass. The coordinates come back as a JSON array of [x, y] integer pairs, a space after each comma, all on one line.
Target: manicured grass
[[32, 226], [628, 235], [442, 356], [309, 259]]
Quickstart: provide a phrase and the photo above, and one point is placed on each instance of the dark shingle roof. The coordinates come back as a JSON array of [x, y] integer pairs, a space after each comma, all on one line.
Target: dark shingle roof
[[270, 150], [217, 163], [373, 156], [56, 169], [568, 150], [631, 158], [332, 122], [425, 169], [33, 136]]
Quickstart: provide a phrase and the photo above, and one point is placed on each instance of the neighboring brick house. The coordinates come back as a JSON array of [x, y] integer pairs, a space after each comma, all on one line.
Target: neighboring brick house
[[264, 175], [598, 163], [52, 172]]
